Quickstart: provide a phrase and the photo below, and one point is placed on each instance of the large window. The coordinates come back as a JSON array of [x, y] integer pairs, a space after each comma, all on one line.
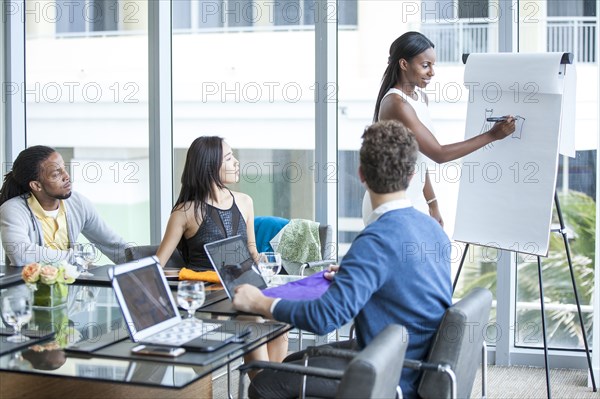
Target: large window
[[565, 27], [245, 70], [252, 15], [86, 96], [571, 27], [458, 27], [362, 61], [76, 17], [256, 90]]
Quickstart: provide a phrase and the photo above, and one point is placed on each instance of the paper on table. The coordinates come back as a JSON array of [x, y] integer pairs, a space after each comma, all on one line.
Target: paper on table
[[311, 287]]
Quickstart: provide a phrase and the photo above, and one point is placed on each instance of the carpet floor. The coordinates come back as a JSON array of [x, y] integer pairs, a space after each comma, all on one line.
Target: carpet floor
[[503, 383]]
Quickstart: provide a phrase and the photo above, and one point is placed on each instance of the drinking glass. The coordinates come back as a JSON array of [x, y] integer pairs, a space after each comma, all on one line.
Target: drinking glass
[[16, 311], [83, 256], [269, 264], [190, 296], [84, 298], [18, 362]]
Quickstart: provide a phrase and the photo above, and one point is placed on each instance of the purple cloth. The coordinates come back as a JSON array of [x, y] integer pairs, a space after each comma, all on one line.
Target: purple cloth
[[311, 287]]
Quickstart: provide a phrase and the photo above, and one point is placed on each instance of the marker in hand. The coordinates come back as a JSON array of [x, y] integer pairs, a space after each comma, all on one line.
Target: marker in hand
[[497, 118]]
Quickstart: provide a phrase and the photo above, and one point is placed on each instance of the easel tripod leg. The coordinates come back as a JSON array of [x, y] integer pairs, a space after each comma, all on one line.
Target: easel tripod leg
[[462, 261], [575, 291], [539, 262]]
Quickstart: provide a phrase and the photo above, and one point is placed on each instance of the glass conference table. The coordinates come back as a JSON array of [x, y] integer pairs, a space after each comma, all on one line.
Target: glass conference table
[[92, 318]]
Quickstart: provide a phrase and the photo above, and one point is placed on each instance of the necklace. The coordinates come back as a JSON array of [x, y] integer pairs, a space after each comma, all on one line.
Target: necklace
[[408, 90]]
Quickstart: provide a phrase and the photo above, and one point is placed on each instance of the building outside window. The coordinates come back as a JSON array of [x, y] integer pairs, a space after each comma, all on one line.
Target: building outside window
[[86, 96]]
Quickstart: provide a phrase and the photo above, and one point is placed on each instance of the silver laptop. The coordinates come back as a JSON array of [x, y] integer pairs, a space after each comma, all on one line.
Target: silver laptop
[[151, 314], [234, 265]]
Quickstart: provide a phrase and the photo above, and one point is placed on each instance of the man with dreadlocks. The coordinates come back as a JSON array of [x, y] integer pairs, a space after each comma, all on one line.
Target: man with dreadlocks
[[41, 217]]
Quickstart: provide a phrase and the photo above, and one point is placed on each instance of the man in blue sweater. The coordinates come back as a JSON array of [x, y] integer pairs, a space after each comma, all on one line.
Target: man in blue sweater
[[396, 271]]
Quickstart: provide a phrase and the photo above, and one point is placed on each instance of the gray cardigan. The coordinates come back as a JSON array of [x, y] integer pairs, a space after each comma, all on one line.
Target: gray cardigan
[[23, 241]]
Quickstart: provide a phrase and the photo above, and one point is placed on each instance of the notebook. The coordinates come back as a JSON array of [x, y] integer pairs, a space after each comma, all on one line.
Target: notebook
[[151, 314], [234, 265]]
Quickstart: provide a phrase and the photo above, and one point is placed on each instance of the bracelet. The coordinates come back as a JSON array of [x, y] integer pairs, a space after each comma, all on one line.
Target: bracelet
[[431, 200]]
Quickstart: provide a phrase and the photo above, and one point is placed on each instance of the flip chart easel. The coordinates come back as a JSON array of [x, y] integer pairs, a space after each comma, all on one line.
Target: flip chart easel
[[481, 196]]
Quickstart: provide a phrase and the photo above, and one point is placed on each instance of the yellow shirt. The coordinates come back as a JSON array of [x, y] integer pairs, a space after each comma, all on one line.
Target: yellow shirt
[[54, 229]]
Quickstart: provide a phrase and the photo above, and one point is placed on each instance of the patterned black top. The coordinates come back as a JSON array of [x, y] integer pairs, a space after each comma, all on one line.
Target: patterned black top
[[217, 225]]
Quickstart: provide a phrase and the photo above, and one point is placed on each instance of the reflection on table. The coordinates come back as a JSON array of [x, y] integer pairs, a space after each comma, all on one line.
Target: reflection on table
[[91, 315]]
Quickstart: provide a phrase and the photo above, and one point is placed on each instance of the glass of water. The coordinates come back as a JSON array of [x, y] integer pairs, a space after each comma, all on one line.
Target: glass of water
[[83, 256], [190, 296], [16, 311], [269, 265]]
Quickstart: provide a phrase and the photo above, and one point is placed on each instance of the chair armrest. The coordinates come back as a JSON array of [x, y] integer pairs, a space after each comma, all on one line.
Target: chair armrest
[[419, 365], [312, 351], [436, 367], [290, 368], [317, 264], [412, 364], [320, 263], [293, 368]]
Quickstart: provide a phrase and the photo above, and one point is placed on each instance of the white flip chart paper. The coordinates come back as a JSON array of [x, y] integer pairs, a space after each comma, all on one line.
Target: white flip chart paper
[[506, 190]]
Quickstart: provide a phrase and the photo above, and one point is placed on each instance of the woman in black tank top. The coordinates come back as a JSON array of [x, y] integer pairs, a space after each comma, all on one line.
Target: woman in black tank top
[[206, 211]]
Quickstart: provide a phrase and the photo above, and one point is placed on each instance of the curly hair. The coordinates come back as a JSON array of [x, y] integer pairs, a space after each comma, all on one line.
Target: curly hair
[[388, 156]]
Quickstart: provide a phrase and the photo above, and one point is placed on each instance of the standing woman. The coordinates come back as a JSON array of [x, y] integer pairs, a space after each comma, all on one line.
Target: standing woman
[[401, 98], [207, 211]]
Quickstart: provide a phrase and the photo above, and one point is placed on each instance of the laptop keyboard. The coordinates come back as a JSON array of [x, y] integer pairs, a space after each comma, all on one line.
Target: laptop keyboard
[[181, 333]]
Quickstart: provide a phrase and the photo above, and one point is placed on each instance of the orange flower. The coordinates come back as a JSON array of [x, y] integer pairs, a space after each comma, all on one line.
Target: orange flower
[[31, 273], [48, 275]]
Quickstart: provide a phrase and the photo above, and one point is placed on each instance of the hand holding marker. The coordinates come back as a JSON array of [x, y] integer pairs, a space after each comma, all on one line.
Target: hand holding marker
[[500, 118]]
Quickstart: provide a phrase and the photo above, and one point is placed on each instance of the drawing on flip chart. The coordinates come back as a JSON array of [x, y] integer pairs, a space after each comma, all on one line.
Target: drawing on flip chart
[[487, 125], [490, 208]]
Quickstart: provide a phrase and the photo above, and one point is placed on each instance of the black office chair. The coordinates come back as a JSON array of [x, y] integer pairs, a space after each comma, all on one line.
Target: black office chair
[[143, 251], [373, 372], [451, 365], [328, 247]]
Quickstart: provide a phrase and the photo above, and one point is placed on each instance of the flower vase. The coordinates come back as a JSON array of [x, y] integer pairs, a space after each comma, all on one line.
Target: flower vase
[[49, 319], [50, 296]]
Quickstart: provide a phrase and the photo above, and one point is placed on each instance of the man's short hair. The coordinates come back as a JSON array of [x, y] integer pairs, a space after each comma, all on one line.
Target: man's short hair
[[388, 156]]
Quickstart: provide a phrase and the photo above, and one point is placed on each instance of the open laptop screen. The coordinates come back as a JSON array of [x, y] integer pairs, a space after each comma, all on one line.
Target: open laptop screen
[[145, 296], [233, 264]]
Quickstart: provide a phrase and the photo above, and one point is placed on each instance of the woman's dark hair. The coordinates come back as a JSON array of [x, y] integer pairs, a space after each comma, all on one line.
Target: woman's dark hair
[[201, 170], [25, 169], [407, 46]]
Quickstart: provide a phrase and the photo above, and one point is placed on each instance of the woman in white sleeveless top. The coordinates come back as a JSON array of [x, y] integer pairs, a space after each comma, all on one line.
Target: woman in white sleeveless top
[[409, 70]]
